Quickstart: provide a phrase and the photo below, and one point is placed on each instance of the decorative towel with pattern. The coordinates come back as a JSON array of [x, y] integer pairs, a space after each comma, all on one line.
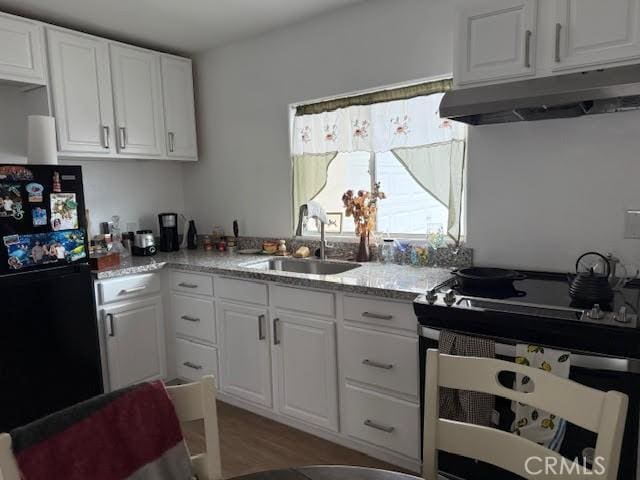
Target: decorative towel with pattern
[[537, 425], [463, 405]]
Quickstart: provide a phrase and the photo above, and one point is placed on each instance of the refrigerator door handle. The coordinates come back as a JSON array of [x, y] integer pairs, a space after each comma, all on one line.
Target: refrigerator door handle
[[110, 331]]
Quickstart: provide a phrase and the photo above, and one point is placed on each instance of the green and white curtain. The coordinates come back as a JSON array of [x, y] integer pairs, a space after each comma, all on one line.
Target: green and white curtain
[[430, 148]]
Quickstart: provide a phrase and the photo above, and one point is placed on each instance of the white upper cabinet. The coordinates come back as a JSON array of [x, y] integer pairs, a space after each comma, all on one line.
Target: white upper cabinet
[[81, 90], [21, 50], [179, 112], [138, 101], [595, 32], [496, 41], [502, 40]]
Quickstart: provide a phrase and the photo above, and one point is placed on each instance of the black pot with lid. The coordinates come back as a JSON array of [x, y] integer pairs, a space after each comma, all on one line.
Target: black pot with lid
[[483, 279]]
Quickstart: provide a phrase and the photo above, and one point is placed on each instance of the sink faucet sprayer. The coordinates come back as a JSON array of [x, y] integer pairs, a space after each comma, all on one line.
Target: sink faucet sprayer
[[313, 210]]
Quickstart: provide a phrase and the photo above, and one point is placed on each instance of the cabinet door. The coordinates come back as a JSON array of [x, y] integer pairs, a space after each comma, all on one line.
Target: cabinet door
[[81, 88], [138, 101], [496, 41], [246, 361], [135, 342], [21, 50], [593, 32], [305, 364], [179, 111]]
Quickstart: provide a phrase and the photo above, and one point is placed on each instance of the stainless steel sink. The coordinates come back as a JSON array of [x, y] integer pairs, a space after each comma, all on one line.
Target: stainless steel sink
[[316, 267]]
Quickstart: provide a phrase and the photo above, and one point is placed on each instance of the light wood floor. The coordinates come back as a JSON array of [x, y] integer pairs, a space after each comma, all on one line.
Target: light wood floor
[[250, 443]]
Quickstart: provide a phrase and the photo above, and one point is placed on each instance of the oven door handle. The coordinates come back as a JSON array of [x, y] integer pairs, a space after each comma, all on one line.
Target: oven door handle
[[590, 362]]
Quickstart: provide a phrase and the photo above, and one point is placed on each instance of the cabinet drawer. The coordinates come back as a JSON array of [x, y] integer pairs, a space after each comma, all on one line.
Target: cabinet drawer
[[194, 317], [192, 283], [380, 312], [125, 288], [380, 359], [194, 361], [308, 301], [243, 291], [383, 421]]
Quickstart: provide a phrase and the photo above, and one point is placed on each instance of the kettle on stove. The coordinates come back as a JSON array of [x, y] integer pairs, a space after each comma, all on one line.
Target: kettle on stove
[[591, 283]]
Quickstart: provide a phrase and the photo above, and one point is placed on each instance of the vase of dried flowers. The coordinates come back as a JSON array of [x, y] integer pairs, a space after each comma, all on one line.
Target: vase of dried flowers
[[363, 207]]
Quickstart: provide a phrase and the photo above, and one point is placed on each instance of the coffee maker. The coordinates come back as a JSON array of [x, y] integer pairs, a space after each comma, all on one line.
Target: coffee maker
[[168, 232]]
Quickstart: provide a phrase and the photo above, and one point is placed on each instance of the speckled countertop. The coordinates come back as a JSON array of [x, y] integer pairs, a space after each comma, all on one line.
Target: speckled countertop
[[384, 280]]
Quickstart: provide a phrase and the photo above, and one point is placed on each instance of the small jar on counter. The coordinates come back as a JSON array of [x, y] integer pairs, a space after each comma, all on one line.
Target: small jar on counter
[[388, 251]]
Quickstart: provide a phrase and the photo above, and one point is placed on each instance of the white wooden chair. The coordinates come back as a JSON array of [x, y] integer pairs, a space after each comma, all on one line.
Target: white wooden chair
[[193, 401], [601, 412]]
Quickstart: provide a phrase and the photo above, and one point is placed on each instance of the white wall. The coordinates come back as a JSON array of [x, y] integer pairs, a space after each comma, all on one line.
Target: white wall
[[539, 194], [15, 105], [136, 190], [542, 193], [244, 90]]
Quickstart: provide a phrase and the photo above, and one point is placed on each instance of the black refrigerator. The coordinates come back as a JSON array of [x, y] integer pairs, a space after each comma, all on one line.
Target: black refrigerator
[[49, 347]]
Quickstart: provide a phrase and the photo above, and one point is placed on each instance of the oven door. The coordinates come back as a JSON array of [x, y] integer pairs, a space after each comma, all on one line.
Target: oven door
[[602, 373]]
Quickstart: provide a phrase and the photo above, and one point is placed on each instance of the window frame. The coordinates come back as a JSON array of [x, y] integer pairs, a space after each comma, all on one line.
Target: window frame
[[348, 237]]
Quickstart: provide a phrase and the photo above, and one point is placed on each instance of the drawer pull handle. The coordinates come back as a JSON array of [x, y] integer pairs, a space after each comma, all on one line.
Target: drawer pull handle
[[373, 363], [192, 365], [123, 137], [261, 334], [557, 57], [379, 316], [527, 48], [276, 337], [190, 319], [111, 331], [105, 136], [128, 291], [187, 285], [379, 426]]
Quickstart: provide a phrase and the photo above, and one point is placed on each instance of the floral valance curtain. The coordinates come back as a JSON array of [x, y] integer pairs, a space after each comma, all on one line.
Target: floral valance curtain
[[431, 149], [380, 127]]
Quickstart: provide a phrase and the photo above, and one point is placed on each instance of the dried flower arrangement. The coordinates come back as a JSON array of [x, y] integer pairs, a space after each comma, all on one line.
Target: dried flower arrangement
[[363, 207]]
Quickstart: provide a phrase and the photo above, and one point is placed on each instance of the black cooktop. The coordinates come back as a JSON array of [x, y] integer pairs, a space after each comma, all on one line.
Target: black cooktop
[[537, 310], [546, 289]]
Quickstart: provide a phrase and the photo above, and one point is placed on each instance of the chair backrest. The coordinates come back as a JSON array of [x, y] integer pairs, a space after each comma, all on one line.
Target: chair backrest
[[601, 412], [197, 401], [8, 466], [193, 401]]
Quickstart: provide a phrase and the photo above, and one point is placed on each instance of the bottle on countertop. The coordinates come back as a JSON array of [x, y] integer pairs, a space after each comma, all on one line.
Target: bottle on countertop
[[192, 236]]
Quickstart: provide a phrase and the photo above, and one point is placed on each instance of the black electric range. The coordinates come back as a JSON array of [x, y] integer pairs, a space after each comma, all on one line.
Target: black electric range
[[604, 343], [537, 309]]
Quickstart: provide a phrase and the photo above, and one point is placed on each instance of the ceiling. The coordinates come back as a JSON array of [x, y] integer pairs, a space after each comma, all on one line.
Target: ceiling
[[181, 26]]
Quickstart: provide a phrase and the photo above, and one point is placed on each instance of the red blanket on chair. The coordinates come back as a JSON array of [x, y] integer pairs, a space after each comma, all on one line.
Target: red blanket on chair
[[128, 434]]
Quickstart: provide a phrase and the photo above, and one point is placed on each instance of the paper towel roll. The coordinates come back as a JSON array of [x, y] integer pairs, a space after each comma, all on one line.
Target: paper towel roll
[[41, 140]]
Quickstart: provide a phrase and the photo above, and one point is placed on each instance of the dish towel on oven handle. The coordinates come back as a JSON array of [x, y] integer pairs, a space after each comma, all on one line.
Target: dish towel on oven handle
[[534, 424], [463, 405]]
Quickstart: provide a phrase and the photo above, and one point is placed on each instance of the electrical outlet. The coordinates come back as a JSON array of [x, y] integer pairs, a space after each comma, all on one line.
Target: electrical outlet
[[632, 224]]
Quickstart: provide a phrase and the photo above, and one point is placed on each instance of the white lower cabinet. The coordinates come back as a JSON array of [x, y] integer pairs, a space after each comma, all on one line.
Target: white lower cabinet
[[246, 360], [344, 367], [193, 360], [135, 347], [304, 354], [383, 420]]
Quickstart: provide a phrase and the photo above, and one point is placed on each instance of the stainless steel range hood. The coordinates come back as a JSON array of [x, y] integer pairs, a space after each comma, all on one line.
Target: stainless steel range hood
[[562, 96]]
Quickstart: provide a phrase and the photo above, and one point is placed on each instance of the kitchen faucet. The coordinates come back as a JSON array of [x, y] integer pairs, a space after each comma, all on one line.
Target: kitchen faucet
[[319, 214]]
